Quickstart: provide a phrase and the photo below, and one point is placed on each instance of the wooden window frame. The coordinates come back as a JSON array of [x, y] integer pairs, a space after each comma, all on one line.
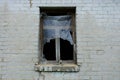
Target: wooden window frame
[[66, 65]]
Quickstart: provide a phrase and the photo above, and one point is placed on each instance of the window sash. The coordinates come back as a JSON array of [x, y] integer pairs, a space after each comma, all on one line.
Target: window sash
[[57, 41]]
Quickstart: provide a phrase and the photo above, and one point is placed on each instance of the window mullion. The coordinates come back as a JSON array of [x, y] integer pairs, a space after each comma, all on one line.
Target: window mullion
[[57, 41]]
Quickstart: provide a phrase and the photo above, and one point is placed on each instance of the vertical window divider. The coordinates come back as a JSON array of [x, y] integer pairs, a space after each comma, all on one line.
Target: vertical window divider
[[57, 41]]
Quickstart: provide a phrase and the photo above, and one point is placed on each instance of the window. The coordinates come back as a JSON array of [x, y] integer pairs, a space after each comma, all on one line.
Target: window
[[57, 38]]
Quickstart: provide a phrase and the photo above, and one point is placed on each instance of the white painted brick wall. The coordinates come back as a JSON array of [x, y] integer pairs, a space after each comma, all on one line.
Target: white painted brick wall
[[98, 42]]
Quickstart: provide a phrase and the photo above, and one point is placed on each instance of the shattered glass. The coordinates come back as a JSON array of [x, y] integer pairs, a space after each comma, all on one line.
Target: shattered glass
[[57, 27]]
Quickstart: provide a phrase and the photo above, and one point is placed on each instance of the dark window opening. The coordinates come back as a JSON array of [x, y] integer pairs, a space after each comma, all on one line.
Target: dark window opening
[[66, 50], [49, 50], [53, 11]]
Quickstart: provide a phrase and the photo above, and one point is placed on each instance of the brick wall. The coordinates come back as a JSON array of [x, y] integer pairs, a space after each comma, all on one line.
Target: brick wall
[[98, 41]]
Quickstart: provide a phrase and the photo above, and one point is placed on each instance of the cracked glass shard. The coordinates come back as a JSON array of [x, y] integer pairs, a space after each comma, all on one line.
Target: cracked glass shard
[[57, 27]]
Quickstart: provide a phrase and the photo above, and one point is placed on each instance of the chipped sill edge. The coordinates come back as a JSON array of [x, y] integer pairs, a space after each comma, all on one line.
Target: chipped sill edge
[[57, 67]]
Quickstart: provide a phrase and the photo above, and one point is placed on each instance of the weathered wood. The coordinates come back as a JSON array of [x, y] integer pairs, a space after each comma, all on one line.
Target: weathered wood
[[57, 43], [41, 38]]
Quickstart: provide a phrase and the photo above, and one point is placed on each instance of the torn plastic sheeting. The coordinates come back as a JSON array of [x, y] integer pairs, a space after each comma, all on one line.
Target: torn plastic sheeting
[[57, 27]]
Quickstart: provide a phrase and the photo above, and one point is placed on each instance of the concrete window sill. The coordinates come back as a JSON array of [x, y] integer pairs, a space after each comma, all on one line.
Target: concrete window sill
[[57, 68]]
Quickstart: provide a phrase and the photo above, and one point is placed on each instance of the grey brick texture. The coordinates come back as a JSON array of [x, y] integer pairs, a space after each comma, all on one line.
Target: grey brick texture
[[97, 31]]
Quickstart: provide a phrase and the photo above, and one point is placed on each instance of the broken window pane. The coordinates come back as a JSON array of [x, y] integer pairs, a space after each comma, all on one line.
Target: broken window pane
[[49, 50], [57, 27], [66, 47]]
